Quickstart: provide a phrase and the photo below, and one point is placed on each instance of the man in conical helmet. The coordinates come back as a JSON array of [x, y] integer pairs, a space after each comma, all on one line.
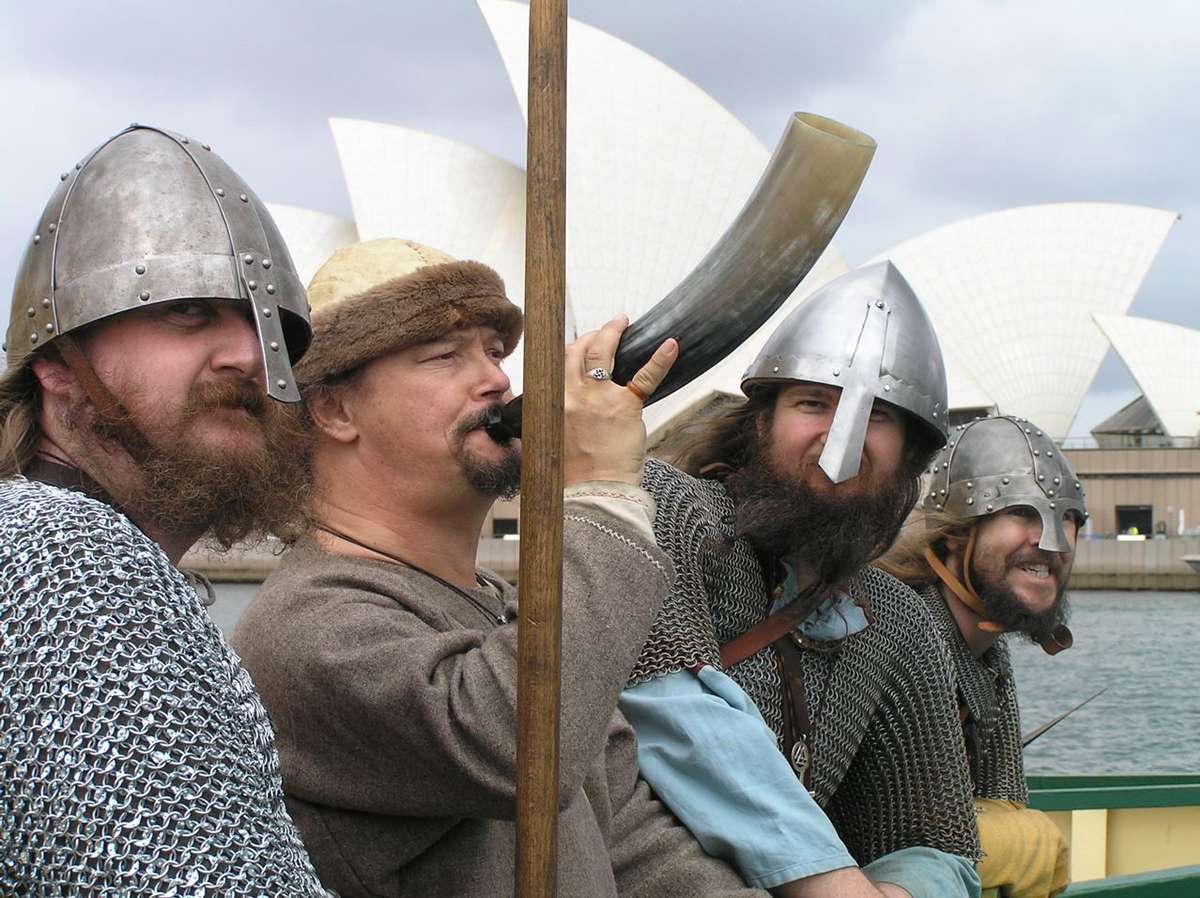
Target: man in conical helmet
[[154, 319], [990, 553], [783, 670]]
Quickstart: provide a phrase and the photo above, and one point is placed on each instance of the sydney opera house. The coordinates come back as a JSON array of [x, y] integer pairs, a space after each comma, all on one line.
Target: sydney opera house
[[1026, 301]]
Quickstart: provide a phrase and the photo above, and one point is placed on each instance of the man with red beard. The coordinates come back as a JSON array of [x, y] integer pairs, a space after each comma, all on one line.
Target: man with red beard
[[782, 669], [154, 306], [387, 657], [991, 554]]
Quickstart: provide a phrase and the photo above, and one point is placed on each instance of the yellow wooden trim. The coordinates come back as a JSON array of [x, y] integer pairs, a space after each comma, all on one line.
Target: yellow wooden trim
[[1143, 839], [1089, 844]]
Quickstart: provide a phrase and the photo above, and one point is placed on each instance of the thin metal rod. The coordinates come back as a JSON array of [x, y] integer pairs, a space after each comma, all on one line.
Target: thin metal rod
[[540, 621]]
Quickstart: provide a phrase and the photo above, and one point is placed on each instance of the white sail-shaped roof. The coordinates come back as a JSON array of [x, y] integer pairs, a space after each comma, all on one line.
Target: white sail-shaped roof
[[1163, 359], [311, 237], [656, 168], [1012, 293]]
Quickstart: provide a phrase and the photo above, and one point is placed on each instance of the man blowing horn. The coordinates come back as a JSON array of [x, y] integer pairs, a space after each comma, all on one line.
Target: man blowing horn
[[155, 307], [991, 553], [388, 658]]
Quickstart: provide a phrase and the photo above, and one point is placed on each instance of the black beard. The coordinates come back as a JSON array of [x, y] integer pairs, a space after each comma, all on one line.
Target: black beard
[[833, 536], [501, 478], [1005, 607]]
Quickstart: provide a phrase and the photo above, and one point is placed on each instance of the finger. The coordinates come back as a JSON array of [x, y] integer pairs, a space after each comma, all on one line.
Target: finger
[[603, 349], [651, 374], [574, 356]]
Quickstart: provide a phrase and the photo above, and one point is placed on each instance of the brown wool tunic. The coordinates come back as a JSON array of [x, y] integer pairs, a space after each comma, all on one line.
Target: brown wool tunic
[[394, 699]]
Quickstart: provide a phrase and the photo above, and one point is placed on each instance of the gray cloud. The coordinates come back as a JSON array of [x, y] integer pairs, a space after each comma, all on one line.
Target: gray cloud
[[977, 106]]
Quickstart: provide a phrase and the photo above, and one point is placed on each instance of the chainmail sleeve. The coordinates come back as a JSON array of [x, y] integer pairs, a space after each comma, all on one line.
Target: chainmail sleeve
[[135, 756], [685, 523], [908, 783], [988, 692]]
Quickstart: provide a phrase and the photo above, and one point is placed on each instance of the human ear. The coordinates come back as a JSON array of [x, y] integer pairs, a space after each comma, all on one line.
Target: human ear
[[54, 377], [331, 415]]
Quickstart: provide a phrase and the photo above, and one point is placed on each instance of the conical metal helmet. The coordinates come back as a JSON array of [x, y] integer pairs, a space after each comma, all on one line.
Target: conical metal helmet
[[152, 217], [1001, 462], [867, 333]]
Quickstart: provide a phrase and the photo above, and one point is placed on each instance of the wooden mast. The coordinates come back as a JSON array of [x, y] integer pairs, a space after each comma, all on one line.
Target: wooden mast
[[540, 621]]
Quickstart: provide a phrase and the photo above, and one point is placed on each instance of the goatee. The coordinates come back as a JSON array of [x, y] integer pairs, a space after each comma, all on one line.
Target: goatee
[[500, 477], [1005, 607]]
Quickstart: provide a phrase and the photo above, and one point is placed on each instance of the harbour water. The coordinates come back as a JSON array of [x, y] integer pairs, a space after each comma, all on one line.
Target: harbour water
[[1141, 645]]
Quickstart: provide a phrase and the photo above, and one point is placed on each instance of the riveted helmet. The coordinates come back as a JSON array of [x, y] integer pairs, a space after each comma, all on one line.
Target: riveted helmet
[[1000, 462], [151, 217], [867, 333]]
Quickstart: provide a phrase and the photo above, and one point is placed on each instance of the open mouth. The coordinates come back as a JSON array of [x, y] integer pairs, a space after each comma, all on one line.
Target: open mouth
[[1039, 571]]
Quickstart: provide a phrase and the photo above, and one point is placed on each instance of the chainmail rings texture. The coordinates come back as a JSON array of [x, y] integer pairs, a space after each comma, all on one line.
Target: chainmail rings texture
[[135, 756], [987, 688], [889, 763]]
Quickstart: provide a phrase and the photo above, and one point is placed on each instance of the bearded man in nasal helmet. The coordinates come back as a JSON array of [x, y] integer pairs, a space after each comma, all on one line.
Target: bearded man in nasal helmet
[[154, 311], [782, 664], [991, 554]]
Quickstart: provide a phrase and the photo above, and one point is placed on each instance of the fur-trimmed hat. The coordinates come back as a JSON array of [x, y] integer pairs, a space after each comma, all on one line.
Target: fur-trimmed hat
[[370, 299]]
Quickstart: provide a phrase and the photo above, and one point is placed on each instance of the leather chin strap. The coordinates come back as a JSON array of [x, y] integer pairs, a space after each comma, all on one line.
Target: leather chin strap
[[1060, 640], [105, 402]]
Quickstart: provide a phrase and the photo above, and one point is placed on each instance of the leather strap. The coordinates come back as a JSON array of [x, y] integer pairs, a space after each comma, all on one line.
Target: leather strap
[[770, 629], [105, 402], [797, 719]]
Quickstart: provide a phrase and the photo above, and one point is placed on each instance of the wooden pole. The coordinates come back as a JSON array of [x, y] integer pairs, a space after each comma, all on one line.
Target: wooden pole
[[540, 622]]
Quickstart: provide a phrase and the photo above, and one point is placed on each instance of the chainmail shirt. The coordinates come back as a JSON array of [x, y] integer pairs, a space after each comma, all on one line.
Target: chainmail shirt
[[135, 756], [889, 763], [988, 692]]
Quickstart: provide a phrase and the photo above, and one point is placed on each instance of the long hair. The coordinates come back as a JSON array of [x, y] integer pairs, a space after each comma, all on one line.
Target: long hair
[[721, 440], [20, 409], [932, 529]]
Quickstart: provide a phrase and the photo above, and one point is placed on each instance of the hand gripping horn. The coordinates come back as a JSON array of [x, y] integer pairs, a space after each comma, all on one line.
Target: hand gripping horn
[[797, 205]]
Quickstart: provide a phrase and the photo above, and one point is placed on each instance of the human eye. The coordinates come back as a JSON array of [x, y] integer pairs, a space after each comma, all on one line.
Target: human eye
[[188, 312]]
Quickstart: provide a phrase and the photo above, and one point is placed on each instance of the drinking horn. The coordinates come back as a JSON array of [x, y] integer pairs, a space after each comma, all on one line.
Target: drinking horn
[[785, 225]]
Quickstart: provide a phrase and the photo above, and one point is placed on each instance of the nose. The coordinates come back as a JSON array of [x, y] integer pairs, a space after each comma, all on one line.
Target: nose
[[236, 349], [492, 382]]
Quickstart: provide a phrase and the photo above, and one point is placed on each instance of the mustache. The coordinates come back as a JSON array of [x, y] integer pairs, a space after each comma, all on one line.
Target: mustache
[[229, 394], [476, 420]]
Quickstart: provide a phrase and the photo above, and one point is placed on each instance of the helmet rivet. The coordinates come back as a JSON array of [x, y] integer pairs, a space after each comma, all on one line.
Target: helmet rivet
[[183, 140], [78, 166], [206, 146], [253, 285], [33, 338], [943, 492], [52, 228], [970, 485], [1049, 492], [266, 313], [1041, 476], [1077, 485], [270, 288], [37, 238], [1039, 433], [220, 191], [49, 327], [45, 302], [248, 259], [1052, 505], [1056, 481], [281, 383], [274, 346], [31, 311], [266, 263], [887, 388], [936, 468], [133, 124], [879, 303], [970, 501], [935, 414], [1036, 453], [989, 508], [1027, 430], [140, 269], [243, 198], [939, 508], [64, 176], [837, 372], [144, 295], [775, 370], [1005, 481], [4, 346]]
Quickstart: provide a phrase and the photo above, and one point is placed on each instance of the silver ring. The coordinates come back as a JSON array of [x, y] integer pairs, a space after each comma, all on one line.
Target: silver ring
[[599, 374]]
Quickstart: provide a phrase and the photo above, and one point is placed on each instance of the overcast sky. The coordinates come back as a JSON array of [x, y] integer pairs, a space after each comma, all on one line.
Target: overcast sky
[[976, 106]]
